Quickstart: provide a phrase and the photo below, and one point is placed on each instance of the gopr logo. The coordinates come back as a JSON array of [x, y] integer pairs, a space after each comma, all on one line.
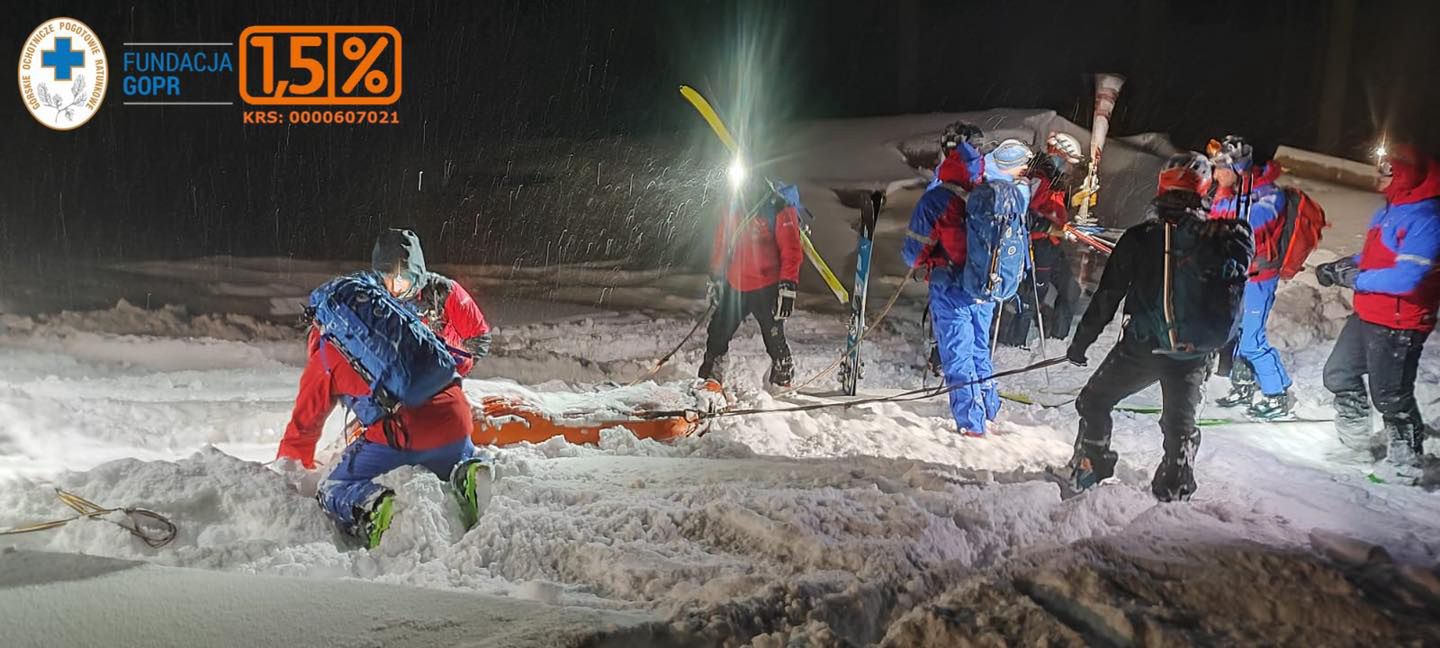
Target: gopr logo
[[63, 73]]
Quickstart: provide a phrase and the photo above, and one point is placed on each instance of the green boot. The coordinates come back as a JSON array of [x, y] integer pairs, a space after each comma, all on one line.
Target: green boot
[[471, 480], [377, 521]]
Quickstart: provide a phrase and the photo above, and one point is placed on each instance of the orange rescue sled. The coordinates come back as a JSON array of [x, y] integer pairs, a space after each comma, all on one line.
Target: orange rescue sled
[[503, 421]]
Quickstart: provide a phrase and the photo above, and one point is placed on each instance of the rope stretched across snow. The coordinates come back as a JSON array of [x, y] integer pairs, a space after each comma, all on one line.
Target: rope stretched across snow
[[902, 397]]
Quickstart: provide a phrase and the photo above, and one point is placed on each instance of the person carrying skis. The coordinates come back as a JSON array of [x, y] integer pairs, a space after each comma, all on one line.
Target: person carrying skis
[[1256, 362], [962, 312], [441, 302], [1048, 216], [1396, 278], [435, 435], [1175, 271], [754, 271]]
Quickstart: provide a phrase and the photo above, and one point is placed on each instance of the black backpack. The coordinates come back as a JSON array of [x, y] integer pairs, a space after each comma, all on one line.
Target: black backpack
[[1205, 268]]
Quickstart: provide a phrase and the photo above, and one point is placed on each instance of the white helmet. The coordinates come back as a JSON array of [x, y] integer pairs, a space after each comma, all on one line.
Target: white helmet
[[1065, 146]]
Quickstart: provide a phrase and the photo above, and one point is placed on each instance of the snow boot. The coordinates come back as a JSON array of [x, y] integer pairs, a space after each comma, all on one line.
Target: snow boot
[[1271, 408], [1407, 443], [1242, 386], [1086, 472], [1352, 423], [1093, 461], [377, 518], [472, 480], [1175, 476], [782, 371], [713, 369]]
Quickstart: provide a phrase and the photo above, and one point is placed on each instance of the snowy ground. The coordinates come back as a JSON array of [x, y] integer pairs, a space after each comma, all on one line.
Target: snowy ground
[[830, 525], [873, 524]]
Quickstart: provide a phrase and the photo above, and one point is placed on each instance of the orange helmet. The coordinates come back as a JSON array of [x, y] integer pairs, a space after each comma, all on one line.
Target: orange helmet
[[1188, 171]]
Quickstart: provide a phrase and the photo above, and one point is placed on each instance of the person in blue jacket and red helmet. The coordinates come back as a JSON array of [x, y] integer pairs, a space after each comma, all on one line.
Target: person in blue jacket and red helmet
[[1396, 278], [1257, 364], [754, 271], [937, 239]]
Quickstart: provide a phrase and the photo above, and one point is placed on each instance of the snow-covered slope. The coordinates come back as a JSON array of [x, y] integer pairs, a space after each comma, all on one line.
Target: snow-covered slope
[[838, 523]]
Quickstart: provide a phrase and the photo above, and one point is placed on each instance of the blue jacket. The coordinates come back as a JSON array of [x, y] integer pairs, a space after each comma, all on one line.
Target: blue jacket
[[1265, 215], [1399, 283], [928, 242]]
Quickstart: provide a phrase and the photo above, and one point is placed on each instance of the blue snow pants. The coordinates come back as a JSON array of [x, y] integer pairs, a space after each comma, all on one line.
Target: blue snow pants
[[962, 333], [1254, 346], [349, 491]]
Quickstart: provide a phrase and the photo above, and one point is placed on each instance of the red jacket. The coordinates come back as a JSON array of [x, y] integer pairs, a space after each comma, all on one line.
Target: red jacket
[[457, 320], [444, 420], [761, 257], [1049, 203], [1399, 281]]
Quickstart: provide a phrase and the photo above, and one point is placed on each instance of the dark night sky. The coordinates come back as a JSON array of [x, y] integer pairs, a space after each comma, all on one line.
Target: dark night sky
[[523, 99]]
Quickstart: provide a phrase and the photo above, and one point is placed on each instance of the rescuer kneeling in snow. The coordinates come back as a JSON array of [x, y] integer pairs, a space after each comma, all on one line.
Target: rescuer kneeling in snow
[[1183, 280], [754, 271], [408, 400], [1396, 278]]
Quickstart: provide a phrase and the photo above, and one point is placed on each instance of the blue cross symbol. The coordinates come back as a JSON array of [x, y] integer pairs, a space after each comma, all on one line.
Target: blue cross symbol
[[62, 59]]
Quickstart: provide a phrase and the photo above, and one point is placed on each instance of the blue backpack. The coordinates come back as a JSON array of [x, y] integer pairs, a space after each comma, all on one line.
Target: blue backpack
[[997, 243], [790, 194], [385, 342]]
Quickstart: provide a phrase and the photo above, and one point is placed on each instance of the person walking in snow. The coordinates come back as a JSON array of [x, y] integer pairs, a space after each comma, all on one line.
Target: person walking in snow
[[441, 302], [1048, 216], [939, 239], [754, 271], [1209, 260], [1396, 279], [1256, 362], [435, 435]]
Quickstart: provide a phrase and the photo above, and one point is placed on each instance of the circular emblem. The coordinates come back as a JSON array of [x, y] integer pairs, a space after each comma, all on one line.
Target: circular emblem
[[63, 73]]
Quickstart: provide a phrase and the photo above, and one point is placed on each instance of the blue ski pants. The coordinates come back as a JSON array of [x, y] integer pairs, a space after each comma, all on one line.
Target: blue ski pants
[[962, 334], [1254, 346], [350, 490]]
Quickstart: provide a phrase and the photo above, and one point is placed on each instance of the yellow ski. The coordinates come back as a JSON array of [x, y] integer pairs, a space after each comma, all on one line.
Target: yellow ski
[[713, 119]]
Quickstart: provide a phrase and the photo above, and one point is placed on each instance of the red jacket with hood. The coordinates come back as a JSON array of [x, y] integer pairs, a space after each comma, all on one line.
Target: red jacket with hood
[[1399, 281]]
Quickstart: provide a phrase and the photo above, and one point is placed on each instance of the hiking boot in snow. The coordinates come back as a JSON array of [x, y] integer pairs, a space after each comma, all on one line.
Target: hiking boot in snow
[[472, 480], [1175, 476], [1086, 472], [1407, 443], [782, 371], [1352, 423], [1242, 385], [1271, 408], [377, 518], [1240, 394], [713, 369]]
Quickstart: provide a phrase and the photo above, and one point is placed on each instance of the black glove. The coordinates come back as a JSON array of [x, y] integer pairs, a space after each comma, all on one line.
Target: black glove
[[785, 300], [1341, 272], [1076, 356], [478, 346]]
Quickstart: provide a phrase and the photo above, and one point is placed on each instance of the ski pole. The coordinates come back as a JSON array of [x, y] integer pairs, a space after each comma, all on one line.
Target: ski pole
[[1039, 317]]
